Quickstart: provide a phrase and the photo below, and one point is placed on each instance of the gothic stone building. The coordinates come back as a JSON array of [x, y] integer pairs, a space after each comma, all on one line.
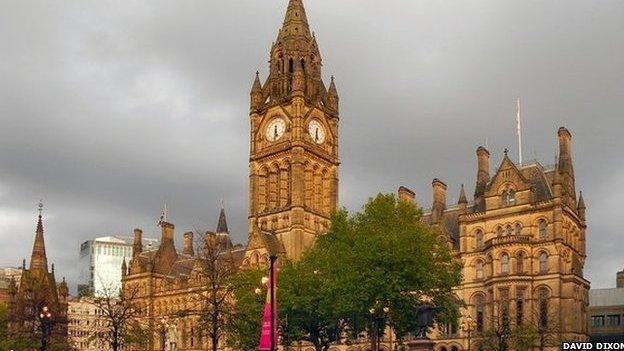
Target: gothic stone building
[[521, 240], [38, 290]]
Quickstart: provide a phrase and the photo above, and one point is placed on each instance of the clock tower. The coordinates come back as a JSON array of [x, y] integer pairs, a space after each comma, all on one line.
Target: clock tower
[[293, 165]]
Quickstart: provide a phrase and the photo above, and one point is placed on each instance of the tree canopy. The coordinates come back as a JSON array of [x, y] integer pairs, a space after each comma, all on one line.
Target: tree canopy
[[383, 258]]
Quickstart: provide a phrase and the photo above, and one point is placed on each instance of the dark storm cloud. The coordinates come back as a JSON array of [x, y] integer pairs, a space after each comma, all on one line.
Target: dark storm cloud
[[109, 109]]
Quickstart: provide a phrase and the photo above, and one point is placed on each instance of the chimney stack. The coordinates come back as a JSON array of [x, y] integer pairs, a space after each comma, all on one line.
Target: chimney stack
[[565, 151], [483, 171], [406, 194], [167, 233], [137, 246], [188, 244], [439, 200]]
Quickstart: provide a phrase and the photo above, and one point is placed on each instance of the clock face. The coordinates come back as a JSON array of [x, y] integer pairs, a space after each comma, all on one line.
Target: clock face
[[276, 129], [317, 132]]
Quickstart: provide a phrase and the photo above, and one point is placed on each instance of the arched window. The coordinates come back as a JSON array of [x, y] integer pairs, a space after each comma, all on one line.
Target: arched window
[[543, 308], [291, 66], [480, 311], [303, 65], [479, 269], [520, 263], [543, 229], [543, 262], [519, 306], [518, 229], [508, 230], [508, 198], [499, 231], [479, 237], [505, 264]]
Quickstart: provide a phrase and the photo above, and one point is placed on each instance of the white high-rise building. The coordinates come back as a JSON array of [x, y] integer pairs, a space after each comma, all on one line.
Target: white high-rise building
[[100, 264]]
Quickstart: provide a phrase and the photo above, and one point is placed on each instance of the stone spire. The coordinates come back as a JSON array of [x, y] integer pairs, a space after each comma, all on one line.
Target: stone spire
[[581, 207], [222, 226], [295, 52], [295, 22], [332, 96], [256, 94], [463, 201], [39, 260]]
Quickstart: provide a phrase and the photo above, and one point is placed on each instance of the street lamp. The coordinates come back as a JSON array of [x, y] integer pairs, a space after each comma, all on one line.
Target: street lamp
[[378, 319], [45, 319], [468, 325]]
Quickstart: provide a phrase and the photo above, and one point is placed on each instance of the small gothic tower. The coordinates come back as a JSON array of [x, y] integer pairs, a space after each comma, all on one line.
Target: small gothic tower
[[38, 288], [294, 140]]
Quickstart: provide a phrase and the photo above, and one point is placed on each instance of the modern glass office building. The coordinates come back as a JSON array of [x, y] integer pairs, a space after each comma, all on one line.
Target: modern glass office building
[[100, 264]]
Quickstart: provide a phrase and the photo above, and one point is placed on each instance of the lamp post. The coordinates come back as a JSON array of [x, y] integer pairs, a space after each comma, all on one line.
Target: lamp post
[[45, 321], [378, 316], [468, 325]]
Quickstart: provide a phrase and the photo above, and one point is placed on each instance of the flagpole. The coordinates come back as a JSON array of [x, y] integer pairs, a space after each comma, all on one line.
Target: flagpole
[[519, 131]]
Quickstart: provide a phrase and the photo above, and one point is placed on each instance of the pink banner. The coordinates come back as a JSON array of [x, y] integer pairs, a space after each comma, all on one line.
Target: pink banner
[[265, 336]]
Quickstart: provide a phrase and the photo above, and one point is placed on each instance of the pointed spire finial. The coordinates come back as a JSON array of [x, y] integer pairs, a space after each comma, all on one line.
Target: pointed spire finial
[[506, 152], [462, 196], [222, 226], [40, 206]]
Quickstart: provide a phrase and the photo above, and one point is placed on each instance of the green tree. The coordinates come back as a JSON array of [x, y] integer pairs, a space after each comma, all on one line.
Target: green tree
[[523, 336], [383, 258], [244, 324]]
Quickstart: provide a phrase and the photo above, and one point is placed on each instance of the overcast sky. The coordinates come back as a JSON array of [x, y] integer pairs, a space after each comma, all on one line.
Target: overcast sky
[[108, 109]]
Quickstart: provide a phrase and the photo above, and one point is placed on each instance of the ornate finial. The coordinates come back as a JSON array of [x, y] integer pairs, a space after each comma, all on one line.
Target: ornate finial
[[332, 78], [506, 151], [40, 206], [52, 268], [24, 264], [257, 73]]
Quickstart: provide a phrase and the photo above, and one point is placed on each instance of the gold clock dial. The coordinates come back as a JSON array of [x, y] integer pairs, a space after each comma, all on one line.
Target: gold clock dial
[[276, 129], [317, 132]]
